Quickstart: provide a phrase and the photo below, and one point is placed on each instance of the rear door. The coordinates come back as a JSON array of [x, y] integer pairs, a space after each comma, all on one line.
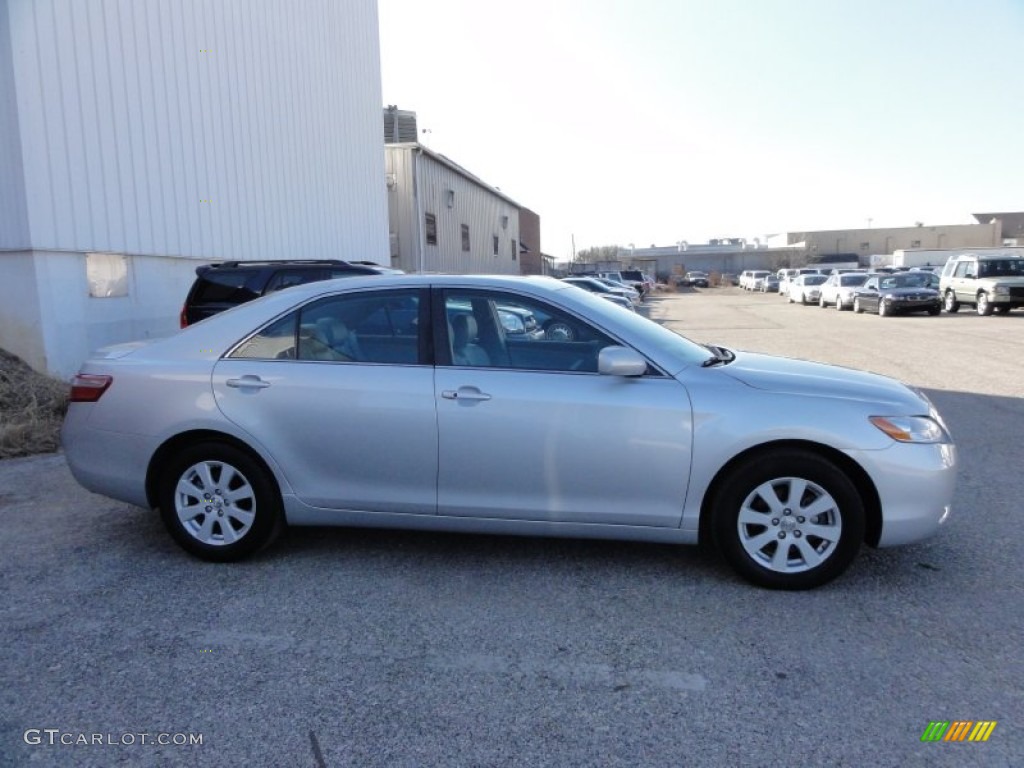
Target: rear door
[[341, 394]]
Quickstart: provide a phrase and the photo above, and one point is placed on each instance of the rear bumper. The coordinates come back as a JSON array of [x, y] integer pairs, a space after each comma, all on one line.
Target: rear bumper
[[111, 464]]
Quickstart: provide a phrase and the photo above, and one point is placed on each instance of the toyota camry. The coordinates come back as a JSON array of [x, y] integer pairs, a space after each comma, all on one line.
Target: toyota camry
[[406, 401]]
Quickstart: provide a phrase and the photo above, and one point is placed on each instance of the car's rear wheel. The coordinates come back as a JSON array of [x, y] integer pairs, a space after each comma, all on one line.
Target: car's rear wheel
[[219, 503], [983, 305], [857, 308], [950, 304], [883, 308], [791, 520]]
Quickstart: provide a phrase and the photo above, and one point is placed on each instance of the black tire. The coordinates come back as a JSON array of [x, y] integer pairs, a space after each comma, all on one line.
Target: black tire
[[739, 491], [1002, 309], [934, 311], [233, 528], [983, 306], [950, 304]]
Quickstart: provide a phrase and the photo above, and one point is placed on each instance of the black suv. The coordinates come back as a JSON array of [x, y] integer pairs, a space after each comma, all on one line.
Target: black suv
[[228, 283]]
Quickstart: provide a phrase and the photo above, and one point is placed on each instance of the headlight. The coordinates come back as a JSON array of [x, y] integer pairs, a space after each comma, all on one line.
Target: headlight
[[911, 429]]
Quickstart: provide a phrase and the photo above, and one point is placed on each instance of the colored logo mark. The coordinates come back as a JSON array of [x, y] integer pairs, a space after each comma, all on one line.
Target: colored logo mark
[[958, 730]]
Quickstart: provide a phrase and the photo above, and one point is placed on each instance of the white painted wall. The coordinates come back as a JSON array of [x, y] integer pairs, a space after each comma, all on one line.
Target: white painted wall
[[176, 133]]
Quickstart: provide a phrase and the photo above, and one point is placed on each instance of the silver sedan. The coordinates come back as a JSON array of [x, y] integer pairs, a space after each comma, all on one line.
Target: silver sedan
[[404, 402]]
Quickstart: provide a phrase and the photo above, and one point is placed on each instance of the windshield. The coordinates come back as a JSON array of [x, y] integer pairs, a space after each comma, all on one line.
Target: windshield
[[852, 280], [651, 333], [906, 280], [814, 279]]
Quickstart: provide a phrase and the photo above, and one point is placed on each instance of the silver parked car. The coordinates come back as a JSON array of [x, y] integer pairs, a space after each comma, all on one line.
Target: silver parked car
[[405, 402], [840, 289]]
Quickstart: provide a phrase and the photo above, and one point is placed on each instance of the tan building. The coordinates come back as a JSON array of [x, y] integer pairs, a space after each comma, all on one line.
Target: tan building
[[865, 242]]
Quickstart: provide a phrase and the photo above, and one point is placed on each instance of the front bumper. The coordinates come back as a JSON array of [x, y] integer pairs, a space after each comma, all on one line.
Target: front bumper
[[915, 484]]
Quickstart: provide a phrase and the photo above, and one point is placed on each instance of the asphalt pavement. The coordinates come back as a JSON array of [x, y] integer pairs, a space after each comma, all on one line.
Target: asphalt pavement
[[378, 648]]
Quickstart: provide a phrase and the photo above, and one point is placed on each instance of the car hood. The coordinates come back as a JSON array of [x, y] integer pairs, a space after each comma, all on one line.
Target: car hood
[[800, 377]]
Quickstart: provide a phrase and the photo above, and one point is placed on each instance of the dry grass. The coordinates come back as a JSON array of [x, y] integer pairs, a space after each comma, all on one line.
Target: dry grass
[[31, 409]]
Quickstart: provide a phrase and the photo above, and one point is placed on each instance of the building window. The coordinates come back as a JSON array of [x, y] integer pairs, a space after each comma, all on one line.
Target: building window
[[431, 226], [107, 275], [865, 246], [494, 242], [915, 243], [514, 249], [465, 237]]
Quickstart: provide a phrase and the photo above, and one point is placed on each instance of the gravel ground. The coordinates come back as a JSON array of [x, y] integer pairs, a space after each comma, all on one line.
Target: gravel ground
[[374, 648]]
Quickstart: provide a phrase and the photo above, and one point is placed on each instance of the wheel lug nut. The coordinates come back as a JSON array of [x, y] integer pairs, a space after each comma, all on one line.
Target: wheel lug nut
[[209, 509], [775, 521], [787, 512], [797, 534], [800, 519], [782, 534]]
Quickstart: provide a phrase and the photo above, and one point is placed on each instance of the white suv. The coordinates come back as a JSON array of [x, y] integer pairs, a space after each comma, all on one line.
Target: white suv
[[988, 282]]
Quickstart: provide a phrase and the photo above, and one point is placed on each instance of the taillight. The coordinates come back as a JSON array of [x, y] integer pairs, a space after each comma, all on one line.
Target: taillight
[[88, 388], [183, 318]]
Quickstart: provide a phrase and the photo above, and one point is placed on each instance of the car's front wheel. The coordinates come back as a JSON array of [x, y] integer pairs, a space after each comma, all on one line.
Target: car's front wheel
[[950, 304], [791, 520], [219, 503], [857, 308], [884, 309], [984, 306]]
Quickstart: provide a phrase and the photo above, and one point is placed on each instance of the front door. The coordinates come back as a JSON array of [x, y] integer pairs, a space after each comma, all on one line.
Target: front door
[[528, 430]]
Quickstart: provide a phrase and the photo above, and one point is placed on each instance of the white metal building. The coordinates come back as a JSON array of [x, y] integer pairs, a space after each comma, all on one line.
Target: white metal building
[[445, 219], [140, 138]]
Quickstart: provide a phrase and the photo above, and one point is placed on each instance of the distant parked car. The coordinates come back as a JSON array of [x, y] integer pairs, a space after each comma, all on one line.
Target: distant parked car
[[755, 278], [989, 283], [227, 284], [770, 284], [897, 294], [593, 285], [696, 279], [840, 289], [806, 288]]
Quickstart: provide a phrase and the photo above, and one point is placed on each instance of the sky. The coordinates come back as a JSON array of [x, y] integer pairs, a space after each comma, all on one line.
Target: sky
[[654, 121]]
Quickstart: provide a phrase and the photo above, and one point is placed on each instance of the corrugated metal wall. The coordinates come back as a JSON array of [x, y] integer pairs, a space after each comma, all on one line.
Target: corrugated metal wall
[[13, 214], [485, 213], [205, 128]]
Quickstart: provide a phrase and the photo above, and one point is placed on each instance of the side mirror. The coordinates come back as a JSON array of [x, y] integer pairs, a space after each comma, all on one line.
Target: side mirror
[[620, 361]]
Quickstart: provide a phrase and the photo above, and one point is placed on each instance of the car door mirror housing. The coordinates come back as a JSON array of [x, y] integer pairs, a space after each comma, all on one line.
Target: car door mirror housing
[[621, 361]]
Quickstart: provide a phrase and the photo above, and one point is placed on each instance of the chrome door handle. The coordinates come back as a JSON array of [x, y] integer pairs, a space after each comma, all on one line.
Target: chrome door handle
[[248, 382], [465, 393]]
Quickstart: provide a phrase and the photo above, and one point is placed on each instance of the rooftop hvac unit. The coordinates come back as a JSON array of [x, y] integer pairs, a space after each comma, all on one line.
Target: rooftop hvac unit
[[399, 126]]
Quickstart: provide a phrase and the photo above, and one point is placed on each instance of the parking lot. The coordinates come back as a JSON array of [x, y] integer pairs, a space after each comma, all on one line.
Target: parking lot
[[366, 648]]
